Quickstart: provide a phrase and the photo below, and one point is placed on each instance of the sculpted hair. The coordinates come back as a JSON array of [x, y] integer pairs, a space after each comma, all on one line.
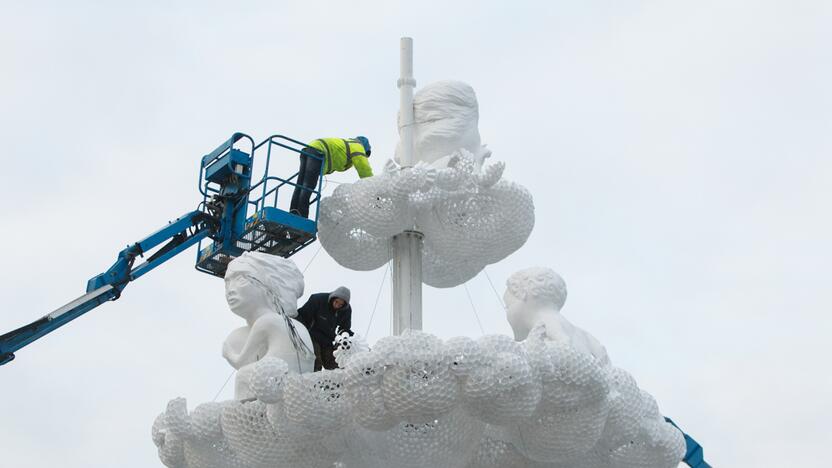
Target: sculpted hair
[[538, 283], [280, 275]]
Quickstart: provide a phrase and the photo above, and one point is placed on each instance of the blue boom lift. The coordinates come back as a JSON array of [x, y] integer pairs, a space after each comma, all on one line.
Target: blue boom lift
[[221, 221]]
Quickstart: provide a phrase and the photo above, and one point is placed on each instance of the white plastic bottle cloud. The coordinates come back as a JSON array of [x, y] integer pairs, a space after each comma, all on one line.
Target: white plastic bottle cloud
[[470, 216], [416, 400]]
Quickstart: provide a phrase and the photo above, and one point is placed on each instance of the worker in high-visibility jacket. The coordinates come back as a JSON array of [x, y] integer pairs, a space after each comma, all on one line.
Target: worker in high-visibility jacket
[[336, 155]]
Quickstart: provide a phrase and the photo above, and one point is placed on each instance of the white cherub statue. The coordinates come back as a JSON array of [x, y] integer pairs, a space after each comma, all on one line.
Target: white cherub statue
[[534, 298], [264, 290]]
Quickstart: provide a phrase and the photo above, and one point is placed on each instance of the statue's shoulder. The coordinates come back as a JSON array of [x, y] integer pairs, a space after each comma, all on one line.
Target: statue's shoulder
[[269, 320], [240, 332]]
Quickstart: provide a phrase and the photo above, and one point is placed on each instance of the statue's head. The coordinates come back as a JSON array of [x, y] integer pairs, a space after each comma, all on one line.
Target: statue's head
[[530, 291], [446, 115], [256, 281]]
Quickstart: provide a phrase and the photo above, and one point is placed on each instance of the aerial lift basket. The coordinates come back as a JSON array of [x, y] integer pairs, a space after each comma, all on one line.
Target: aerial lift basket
[[261, 225]]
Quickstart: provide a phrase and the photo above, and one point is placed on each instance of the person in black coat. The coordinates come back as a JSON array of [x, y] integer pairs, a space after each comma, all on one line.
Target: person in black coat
[[322, 314]]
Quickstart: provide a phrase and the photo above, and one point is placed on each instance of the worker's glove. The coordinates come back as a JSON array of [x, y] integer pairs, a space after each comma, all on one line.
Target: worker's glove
[[348, 344], [339, 330]]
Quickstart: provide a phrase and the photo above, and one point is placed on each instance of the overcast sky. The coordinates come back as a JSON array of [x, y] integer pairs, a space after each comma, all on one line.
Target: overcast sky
[[678, 153]]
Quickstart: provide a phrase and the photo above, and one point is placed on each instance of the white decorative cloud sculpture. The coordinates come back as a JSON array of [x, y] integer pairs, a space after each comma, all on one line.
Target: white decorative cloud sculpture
[[549, 397], [415, 400], [470, 216], [551, 400]]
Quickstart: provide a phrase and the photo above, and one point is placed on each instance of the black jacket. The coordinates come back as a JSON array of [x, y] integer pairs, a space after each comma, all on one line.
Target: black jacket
[[321, 319]]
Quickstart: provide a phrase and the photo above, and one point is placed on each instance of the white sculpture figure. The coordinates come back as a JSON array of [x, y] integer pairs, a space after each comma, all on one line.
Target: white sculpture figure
[[534, 298], [446, 115], [469, 214], [415, 400], [264, 289]]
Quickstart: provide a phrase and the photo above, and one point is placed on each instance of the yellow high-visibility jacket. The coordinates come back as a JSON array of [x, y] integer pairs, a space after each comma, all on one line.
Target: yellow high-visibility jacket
[[341, 154]]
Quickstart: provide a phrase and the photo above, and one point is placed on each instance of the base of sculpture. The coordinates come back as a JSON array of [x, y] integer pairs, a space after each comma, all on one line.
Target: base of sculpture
[[415, 401]]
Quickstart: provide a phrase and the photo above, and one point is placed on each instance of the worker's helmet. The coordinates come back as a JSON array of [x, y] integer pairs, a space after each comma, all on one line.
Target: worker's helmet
[[365, 143]]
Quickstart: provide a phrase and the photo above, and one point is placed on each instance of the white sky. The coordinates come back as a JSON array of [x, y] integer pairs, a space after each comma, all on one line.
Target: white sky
[[678, 152]]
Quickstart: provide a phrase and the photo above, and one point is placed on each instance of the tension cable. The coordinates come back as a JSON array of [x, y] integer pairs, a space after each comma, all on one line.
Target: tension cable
[[378, 296], [473, 307]]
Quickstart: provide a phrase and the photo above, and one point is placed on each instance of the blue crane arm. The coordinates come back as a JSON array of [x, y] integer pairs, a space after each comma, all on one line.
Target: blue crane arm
[[225, 182], [179, 235], [694, 455]]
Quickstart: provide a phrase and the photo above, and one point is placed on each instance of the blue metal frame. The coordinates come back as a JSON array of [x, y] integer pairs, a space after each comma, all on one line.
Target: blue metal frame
[[275, 140], [225, 184], [267, 222]]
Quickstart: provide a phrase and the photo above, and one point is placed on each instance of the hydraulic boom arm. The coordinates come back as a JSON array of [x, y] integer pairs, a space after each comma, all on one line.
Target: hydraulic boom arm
[[225, 182], [179, 234]]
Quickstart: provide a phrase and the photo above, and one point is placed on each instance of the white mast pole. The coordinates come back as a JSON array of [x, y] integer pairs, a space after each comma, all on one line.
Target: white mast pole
[[406, 84], [407, 246]]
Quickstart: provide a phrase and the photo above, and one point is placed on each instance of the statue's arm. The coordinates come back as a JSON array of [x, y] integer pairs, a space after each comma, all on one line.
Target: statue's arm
[[556, 332], [257, 339], [232, 345], [229, 355], [598, 350]]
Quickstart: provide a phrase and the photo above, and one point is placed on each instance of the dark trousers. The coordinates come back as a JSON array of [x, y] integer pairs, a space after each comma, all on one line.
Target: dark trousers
[[324, 357], [308, 176]]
